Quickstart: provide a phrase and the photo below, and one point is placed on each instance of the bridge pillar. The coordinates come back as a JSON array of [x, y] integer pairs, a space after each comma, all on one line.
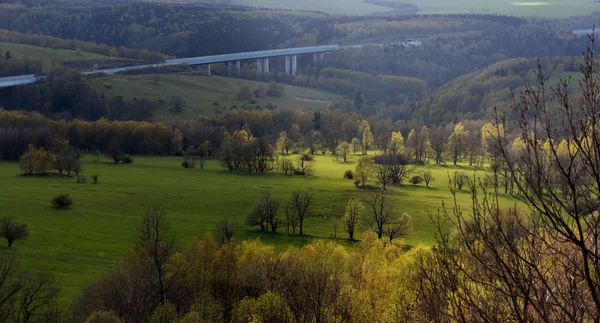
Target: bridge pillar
[[287, 65], [207, 69], [238, 69], [259, 67], [294, 64], [266, 65], [229, 68]]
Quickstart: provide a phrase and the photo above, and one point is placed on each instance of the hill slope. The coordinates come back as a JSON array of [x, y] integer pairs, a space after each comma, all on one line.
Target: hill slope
[[208, 95], [47, 55], [474, 96]]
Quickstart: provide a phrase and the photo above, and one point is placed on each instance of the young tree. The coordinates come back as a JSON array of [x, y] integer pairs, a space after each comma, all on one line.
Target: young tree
[[427, 177], [156, 242], [400, 227], [367, 140], [457, 142], [438, 144], [343, 150], [364, 169], [12, 231], [283, 143], [301, 202], [114, 149], [225, 231], [355, 211], [356, 145], [396, 146]]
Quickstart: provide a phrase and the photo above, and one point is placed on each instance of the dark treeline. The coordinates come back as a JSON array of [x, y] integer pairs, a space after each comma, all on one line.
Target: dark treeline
[[68, 94]]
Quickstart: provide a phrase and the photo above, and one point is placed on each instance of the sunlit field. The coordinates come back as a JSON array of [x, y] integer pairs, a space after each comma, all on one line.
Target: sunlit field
[[82, 243]]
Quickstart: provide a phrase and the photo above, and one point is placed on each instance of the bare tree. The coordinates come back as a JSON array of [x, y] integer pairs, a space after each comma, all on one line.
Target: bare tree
[[301, 202], [265, 212], [381, 214], [39, 293], [355, 211], [226, 230], [400, 227], [10, 285], [156, 242], [291, 218], [541, 265], [12, 231]]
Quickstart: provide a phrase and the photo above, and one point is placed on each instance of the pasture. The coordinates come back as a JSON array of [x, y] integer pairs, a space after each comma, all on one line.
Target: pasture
[[82, 243], [208, 95], [522, 8], [46, 54]]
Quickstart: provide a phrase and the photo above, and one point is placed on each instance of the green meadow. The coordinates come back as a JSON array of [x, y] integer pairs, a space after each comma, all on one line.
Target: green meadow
[[46, 54], [522, 8], [82, 243]]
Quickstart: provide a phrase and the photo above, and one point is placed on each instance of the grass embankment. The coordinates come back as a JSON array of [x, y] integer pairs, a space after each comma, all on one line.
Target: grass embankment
[[200, 93], [82, 243], [46, 54]]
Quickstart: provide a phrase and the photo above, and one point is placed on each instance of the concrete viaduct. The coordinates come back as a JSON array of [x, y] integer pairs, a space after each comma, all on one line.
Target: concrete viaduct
[[233, 62]]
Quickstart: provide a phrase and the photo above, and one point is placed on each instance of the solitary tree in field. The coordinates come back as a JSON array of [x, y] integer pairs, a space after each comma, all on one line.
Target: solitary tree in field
[[355, 211], [343, 150], [301, 202], [12, 231]]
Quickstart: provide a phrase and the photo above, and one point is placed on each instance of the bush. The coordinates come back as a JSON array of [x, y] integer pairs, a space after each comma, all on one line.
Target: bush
[[127, 159], [81, 179], [62, 201], [416, 180], [348, 174], [252, 101], [95, 179], [356, 182], [187, 163]]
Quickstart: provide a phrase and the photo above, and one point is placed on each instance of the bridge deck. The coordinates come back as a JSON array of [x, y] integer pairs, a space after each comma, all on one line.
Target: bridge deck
[[252, 55]]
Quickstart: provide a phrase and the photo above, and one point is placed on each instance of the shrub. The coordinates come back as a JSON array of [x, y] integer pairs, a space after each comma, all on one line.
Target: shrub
[[348, 174], [252, 101], [356, 182], [127, 159], [81, 179], [103, 317], [416, 180], [187, 163], [62, 201], [95, 179]]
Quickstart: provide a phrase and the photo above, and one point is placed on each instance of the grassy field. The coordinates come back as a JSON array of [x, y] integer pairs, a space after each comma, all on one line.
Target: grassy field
[[548, 8], [82, 243], [201, 92], [46, 54]]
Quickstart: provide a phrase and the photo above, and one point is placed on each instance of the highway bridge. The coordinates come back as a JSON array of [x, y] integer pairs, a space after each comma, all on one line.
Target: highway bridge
[[233, 62]]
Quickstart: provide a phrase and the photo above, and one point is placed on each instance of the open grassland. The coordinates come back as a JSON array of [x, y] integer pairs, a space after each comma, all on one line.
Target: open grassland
[[547, 8], [46, 54], [82, 243], [200, 93]]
